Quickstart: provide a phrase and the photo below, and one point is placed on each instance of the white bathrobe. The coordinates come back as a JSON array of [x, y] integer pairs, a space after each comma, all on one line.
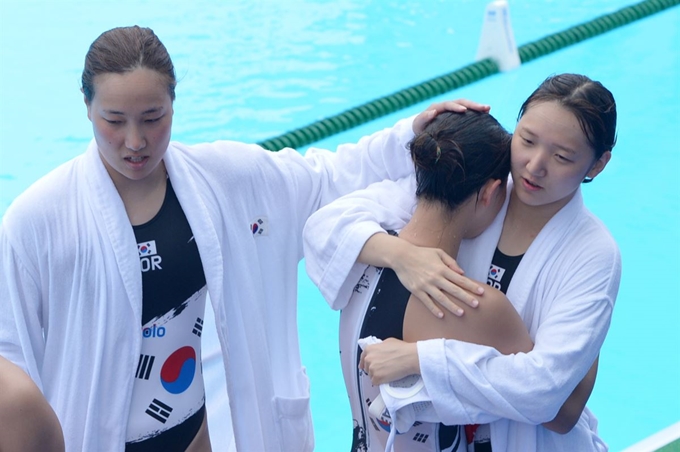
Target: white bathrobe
[[564, 289], [71, 286]]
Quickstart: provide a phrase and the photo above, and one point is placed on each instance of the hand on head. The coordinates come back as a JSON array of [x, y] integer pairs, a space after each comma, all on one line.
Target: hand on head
[[457, 106]]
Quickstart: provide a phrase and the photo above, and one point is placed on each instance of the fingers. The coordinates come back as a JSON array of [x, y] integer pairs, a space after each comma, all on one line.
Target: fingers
[[450, 105], [422, 120], [365, 365], [459, 106], [431, 305], [456, 279], [437, 298], [451, 263], [457, 295], [473, 105], [456, 106], [454, 285], [462, 290], [448, 304]]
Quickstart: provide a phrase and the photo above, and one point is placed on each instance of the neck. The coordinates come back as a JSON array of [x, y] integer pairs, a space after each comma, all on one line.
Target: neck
[[142, 198], [433, 226], [532, 218], [142, 188]]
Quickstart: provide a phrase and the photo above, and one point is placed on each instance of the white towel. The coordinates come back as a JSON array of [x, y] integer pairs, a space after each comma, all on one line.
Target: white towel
[[406, 401]]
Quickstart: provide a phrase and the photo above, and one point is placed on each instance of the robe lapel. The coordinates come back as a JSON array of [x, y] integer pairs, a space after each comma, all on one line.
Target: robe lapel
[[112, 221]]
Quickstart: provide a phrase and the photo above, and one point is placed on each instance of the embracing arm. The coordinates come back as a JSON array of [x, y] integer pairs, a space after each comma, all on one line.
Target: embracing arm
[[381, 155], [476, 384], [393, 359], [496, 324], [344, 236], [335, 234], [333, 239], [571, 410], [566, 292]]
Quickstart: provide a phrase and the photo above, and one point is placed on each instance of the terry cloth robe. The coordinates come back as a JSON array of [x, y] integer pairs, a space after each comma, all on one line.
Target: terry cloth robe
[[71, 287], [564, 289]]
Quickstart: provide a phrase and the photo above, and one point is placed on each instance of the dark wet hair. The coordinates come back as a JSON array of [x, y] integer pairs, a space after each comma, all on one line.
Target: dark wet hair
[[125, 49], [588, 100], [457, 154]]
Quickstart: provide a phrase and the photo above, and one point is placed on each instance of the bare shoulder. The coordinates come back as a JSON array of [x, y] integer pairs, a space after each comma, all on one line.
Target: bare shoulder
[[494, 323], [495, 306], [508, 332]]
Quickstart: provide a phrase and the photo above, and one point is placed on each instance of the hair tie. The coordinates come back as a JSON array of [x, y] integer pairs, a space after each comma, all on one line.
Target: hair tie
[[439, 154]]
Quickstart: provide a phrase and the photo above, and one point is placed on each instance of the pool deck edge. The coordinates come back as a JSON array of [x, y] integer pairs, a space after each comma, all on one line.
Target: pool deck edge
[[666, 440]]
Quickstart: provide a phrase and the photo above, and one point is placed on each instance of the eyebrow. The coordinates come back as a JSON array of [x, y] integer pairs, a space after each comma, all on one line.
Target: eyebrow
[[146, 112]]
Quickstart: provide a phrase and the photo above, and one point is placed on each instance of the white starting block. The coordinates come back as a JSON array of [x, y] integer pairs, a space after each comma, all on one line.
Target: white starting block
[[498, 40]]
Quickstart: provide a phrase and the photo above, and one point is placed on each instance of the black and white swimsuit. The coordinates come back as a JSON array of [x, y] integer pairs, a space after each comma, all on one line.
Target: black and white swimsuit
[[377, 308], [168, 398]]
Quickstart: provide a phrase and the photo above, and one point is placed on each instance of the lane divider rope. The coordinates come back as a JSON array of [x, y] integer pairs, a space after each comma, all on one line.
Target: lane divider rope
[[469, 74]]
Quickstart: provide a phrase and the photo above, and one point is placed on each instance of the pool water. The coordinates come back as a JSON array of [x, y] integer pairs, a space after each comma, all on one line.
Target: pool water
[[253, 69]]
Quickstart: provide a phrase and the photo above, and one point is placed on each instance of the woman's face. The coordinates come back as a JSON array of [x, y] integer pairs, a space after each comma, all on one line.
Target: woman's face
[[131, 115], [551, 156]]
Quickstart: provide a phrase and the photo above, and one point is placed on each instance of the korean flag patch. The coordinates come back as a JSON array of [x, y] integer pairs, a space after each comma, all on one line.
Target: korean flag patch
[[259, 226]]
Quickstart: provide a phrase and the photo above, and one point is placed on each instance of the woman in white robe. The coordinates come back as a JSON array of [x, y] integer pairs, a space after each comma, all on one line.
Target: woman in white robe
[[564, 287], [71, 286]]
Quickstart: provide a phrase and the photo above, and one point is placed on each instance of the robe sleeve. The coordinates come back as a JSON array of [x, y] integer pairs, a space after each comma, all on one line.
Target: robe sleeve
[[334, 236], [321, 176], [21, 334], [471, 383], [381, 155]]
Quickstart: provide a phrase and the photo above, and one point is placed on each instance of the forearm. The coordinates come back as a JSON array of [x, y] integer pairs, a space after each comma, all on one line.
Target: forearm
[[572, 408], [384, 250], [475, 384], [334, 235]]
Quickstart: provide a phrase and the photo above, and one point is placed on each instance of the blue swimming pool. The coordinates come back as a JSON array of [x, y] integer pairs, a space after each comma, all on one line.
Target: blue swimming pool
[[250, 70]]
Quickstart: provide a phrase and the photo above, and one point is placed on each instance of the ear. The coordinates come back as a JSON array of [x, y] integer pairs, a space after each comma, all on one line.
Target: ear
[[599, 165], [87, 105], [488, 191]]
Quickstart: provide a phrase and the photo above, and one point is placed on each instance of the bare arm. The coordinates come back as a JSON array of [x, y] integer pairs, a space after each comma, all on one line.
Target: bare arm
[[570, 412], [494, 323], [28, 421]]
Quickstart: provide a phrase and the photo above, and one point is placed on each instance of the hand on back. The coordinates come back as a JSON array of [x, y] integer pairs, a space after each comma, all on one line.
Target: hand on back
[[436, 280]]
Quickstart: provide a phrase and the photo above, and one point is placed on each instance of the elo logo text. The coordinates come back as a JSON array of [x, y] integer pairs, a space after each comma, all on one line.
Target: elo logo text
[[154, 331]]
